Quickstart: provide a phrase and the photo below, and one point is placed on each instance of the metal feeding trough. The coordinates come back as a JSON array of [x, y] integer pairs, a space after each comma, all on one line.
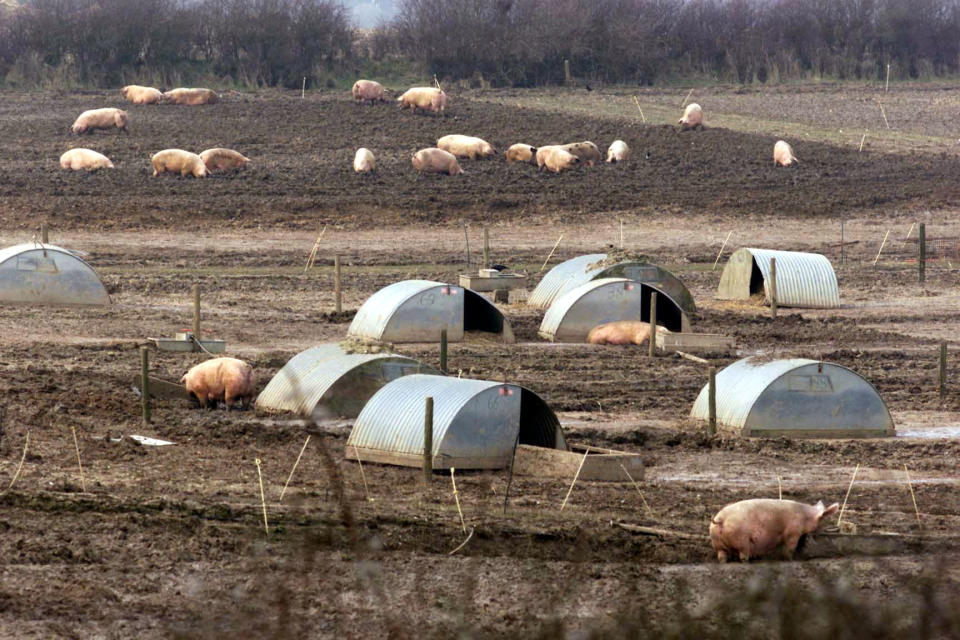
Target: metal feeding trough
[[186, 340]]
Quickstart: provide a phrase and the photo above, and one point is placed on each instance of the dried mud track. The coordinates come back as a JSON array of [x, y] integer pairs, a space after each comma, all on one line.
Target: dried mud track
[[302, 153]]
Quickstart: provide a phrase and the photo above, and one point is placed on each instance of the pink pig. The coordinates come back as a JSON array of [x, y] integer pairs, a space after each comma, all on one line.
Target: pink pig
[[754, 528]]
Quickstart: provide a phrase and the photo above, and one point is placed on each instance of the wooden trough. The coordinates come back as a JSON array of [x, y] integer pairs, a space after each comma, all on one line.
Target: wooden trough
[[694, 342], [600, 465], [163, 389]]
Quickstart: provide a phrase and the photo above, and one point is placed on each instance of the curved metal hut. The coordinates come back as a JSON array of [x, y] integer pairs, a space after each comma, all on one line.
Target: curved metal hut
[[327, 381], [796, 397], [418, 310], [476, 423], [577, 271], [32, 273], [803, 279], [571, 316]]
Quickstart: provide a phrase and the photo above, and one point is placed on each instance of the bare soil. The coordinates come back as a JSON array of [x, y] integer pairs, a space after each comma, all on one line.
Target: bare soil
[[170, 542]]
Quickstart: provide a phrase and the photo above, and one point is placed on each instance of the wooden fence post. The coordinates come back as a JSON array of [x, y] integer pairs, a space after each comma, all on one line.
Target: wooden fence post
[[196, 314], [337, 291], [922, 258], [712, 401], [653, 324], [145, 384], [428, 440]]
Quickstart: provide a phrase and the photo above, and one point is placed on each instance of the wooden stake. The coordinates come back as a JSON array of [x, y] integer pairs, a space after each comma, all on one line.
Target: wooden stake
[[582, 460], [864, 137], [44, 234], [922, 258], [567, 78], [621, 233], [337, 290], [912, 495], [550, 255], [456, 496], [637, 487], [19, 466], [196, 312], [884, 114], [844, 507], [943, 371], [642, 117], [263, 498], [653, 324], [720, 253], [313, 251], [428, 440], [443, 350], [712, 402], [363, 476], [303, 88], [437, 82], [145, 384], [773, 288], [290, 477], [882, 245], [486, 247], [779, 489], [684, 103], [466, 238], [887, 85], [909, 231], [83, 484]]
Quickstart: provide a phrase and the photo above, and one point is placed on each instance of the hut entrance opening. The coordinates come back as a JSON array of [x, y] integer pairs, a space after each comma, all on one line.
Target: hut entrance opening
[[479, 314], [756, 278]]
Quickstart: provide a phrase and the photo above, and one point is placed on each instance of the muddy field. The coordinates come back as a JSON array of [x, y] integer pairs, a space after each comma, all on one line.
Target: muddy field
[[169, 541]]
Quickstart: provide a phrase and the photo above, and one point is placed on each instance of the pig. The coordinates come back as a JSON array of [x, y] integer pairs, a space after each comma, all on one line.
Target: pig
[[466, 146], [86, 159], [88, 121], [191, 97], [622, 332], [141, 95], [226, 378], [618, 152], [424, 98], [754, 528], [433, 160], [586, 151], [692, 117], [178, 160], [219, 159], [521, 153], [556, 159], [364, 90], [363, 161], [783, 154]]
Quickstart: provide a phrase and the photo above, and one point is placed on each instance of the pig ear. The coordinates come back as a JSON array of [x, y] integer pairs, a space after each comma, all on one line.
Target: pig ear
[[829, 510]]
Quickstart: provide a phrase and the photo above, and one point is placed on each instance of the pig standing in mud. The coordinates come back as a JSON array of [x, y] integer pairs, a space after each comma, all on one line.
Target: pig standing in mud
[[692, 117], [522, 153], [424, 98], [754, 528], [783, 154], [618, 152], [556, 159], [89, 121], [178, 161], [228, 379], [220, 159], [368, 91], [363, 161], [433, 160]]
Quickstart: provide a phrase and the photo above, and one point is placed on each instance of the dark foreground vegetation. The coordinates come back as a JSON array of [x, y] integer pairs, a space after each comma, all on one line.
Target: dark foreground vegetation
[[501, 42]]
